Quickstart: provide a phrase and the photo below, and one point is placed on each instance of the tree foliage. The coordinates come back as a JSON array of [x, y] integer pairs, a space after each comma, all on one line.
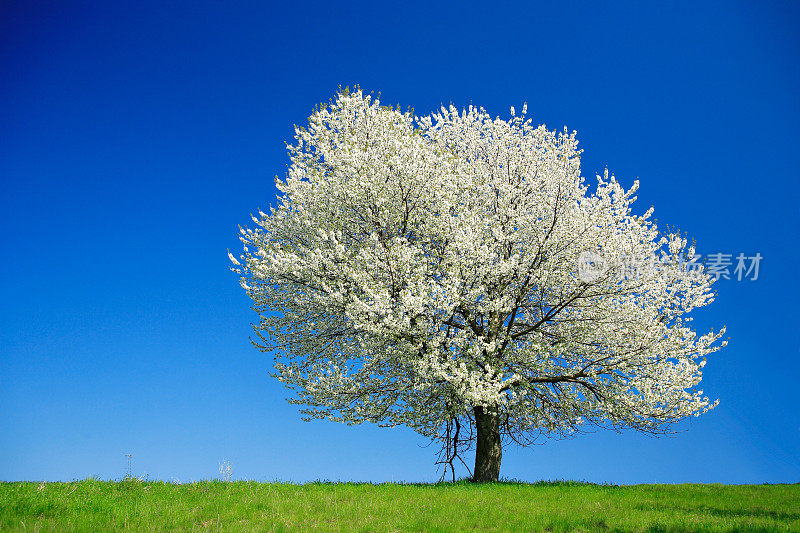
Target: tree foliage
[[416, 268]]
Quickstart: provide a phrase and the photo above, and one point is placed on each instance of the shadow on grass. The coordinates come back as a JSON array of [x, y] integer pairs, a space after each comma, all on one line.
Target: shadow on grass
[[464, 482], [716, 512]]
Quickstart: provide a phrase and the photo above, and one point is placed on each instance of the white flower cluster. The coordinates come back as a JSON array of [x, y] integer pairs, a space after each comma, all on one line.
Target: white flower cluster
[[418, 267]]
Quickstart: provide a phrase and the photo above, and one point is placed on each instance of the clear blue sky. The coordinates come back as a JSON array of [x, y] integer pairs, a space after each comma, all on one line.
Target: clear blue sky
[[134, 139]]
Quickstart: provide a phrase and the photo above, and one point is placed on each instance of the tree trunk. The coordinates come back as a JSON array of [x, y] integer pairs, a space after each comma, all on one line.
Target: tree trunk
[[489, 448]]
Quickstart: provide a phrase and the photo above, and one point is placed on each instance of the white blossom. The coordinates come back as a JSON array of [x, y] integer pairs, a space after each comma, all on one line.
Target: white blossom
[[418, 267]]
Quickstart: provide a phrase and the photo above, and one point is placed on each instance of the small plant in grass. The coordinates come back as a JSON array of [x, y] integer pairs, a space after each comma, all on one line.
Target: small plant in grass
[[129, 457], [225, 470]]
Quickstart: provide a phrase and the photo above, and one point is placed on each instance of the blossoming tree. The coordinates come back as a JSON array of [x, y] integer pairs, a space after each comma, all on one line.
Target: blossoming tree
[[425, 271]]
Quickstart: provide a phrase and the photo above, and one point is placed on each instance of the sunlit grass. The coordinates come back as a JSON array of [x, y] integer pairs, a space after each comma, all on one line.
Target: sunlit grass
[[93, 505]]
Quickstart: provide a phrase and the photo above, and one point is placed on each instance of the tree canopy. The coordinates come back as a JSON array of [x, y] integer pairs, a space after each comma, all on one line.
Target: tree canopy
[[454, 272]]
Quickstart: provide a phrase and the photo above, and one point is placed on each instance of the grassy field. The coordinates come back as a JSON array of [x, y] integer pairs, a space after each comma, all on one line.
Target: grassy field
[[93, 505]]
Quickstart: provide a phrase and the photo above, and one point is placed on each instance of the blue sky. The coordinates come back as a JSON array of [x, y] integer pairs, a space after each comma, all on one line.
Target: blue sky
[[134, 139]]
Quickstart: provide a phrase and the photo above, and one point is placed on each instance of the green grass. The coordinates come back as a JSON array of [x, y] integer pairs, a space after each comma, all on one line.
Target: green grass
[[93, 505]]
